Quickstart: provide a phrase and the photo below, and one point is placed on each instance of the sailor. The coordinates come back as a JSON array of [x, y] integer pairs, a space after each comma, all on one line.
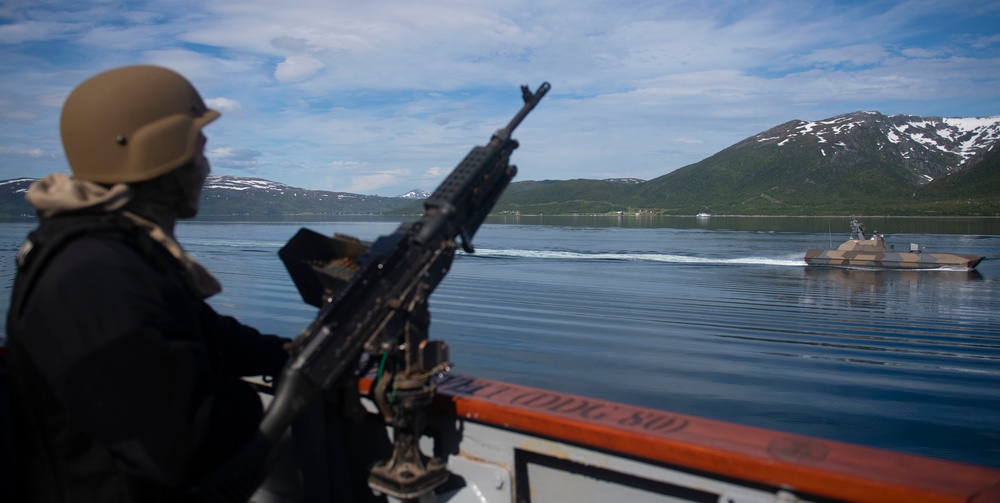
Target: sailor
[[127, 384]]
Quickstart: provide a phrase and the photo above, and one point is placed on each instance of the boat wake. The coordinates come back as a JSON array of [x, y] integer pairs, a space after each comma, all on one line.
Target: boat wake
[[636, 257]]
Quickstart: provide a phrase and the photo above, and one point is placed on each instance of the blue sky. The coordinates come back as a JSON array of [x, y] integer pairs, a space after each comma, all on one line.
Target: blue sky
[[381, 97]]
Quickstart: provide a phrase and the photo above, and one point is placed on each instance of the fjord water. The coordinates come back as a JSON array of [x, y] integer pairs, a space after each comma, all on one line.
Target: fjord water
[[716, 317]]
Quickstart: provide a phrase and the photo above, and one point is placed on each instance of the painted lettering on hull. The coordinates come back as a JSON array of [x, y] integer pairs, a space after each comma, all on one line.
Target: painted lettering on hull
[[568, 406]]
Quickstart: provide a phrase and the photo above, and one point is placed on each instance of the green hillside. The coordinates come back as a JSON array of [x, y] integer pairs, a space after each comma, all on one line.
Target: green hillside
[[794, 179], [570, 196], [975, 191], [785, 172]]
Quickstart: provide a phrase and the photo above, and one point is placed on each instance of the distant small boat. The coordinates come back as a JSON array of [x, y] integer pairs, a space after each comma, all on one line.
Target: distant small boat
[[865, 251], [703, 215]]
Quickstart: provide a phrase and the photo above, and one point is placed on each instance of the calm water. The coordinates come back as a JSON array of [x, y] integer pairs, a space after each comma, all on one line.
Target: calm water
[[717, 318]]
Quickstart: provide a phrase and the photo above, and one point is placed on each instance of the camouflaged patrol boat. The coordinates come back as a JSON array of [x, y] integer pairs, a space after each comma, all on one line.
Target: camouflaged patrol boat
[[865, 251]]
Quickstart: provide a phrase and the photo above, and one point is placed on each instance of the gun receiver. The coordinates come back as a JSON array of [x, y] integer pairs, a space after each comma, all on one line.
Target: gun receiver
[[407, 265], [373, 298]]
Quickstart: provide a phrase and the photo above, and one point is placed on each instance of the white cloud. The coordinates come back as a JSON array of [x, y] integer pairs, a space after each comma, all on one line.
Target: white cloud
[[224, 105], [240, 159], [922, 53], [297, 68], [374, 182], [345, 165], [986, 41], [23, 152], [689, 141], [32, 31], [854, 55], [361, 89]]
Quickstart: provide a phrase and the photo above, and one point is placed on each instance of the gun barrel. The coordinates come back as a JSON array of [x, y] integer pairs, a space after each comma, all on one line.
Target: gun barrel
[[530, 100], [460, 204]]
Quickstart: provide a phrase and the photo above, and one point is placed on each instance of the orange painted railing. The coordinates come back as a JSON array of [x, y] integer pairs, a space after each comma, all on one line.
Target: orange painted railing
[[801, 464]]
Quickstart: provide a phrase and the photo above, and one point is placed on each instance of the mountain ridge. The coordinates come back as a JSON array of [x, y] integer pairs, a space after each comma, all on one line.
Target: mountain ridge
[[235, 196], [859, 162], [851, 163]]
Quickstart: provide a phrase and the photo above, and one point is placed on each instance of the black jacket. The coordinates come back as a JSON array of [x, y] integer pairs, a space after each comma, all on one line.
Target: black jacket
[[126, 384]]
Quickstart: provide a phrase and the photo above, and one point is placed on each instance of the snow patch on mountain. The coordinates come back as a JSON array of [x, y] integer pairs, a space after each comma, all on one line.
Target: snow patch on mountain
[[625, 181], [914, 139], [241, 183], [23, 183], [416, 194]]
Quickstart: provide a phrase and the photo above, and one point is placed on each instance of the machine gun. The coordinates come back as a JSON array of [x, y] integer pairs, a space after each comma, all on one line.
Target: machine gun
[[373, 299]]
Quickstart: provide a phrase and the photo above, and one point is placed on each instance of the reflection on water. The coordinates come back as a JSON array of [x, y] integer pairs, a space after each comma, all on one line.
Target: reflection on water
[[888, 291]]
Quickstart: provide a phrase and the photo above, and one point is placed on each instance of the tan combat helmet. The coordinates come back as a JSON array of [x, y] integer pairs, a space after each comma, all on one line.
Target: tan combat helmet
[[132, 124]]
